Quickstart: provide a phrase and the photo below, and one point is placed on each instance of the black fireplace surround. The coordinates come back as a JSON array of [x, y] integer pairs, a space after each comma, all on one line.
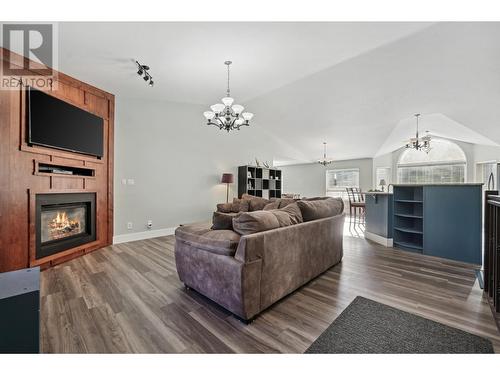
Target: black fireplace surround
[[69, 233]]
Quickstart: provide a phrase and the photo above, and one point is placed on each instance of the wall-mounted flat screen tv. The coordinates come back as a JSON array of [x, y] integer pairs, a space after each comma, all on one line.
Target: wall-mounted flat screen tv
[[58, 124]]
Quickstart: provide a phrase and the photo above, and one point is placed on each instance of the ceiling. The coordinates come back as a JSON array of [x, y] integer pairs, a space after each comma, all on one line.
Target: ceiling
[[354, 85], [187, 59]]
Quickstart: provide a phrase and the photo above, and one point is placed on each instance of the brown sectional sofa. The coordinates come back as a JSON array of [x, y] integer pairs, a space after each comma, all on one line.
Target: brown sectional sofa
[[248, 273]]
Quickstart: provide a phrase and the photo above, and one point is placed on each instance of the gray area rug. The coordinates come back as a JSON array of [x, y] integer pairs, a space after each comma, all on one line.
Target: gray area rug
[[366, 326]]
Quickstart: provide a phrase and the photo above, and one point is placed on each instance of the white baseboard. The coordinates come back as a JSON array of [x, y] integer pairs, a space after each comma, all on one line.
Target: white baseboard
[[387, 242], [121, 238]]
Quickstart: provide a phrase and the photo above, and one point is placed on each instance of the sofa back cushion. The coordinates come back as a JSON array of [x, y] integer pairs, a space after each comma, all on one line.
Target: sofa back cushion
[[278, 203], [319, 209], [238, 205]]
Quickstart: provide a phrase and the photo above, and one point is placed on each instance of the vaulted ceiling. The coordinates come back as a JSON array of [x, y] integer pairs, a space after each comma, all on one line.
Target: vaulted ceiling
[[354, 85]]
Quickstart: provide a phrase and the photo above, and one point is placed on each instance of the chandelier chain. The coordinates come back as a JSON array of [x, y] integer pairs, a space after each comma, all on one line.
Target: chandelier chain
[[228, 89]]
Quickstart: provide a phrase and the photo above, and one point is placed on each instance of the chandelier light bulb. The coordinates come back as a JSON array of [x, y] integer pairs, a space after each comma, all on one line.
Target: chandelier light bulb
[[228, 101], [209, 115], [237, 108], [247, 116], [217, 108]]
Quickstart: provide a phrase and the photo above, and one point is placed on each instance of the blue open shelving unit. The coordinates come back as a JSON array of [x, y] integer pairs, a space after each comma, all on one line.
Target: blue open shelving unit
[[442, 220], [408, 218]]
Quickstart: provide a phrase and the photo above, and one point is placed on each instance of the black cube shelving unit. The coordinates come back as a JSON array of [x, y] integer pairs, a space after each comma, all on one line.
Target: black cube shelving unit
[[259, 181]]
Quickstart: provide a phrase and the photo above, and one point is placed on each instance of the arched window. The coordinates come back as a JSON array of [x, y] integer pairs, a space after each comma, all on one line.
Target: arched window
[[446, 162]]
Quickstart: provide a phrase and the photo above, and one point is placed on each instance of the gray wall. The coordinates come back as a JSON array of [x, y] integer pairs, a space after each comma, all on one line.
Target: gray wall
[[309, 180], [176, 162]]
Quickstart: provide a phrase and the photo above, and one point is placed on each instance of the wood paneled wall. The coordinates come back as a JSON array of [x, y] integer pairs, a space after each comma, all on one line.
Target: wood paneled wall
[[19, 180]]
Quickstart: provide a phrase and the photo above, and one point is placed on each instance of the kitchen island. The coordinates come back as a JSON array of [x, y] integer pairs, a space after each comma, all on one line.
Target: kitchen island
[[442, 220]]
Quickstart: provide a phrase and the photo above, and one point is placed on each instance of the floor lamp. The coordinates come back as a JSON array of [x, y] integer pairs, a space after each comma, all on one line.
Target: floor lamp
[[227, 178]]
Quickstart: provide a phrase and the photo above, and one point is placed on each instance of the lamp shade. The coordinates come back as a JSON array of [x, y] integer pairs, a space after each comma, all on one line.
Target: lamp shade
[[227, 178], [382, 182]]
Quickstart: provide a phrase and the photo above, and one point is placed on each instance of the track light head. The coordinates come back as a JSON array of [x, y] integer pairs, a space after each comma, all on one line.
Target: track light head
[[142, 70]]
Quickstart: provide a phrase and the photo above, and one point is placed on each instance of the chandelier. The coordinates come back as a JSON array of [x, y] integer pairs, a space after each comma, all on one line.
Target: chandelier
[[226, 115], [420, 144], [325, 161]]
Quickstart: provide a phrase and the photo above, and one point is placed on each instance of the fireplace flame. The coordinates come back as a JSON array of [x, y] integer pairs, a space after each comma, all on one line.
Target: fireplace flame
[[62, 225]]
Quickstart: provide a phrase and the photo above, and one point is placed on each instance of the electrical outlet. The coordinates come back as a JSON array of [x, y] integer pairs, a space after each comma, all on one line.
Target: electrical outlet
[[130, 225], [124, 181], [150, 224]]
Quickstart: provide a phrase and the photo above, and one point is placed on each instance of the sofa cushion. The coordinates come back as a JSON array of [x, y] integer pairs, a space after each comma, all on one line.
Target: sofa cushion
[[221, 220], [240, 205], [255, 203], [272, 206], [293, 211], [200, 236], [319, 209], [285, 202], [260, 221], [253, 222]]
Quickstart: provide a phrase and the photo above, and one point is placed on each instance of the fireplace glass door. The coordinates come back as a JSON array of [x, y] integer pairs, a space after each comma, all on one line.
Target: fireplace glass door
[[58, 223], [64, 221]]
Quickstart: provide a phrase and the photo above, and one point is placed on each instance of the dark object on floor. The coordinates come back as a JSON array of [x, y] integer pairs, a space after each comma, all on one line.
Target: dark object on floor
[[366, 326], [20, 311]]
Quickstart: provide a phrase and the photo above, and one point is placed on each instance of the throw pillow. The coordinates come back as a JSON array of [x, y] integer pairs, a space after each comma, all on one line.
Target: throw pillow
[[285, 202], [253, 222], [272, 206], [240, 205], [221, 220], [294, 212], [225, 207]]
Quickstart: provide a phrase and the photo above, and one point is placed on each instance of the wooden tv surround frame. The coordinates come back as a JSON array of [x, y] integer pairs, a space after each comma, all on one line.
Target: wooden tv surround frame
[[20, 179]]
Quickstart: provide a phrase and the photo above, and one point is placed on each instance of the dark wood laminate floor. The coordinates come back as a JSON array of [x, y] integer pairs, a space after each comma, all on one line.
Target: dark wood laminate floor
[[128, 298]]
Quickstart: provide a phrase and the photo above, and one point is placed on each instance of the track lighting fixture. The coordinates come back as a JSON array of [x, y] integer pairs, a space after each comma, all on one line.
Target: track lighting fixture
[[143, 70]]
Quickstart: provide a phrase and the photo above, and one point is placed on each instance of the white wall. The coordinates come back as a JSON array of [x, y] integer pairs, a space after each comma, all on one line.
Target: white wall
[[486, 153], [176, 161], [309, 180]]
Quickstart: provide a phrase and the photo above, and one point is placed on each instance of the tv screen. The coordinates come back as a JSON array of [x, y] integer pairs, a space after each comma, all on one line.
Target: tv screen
[[57, 124]]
